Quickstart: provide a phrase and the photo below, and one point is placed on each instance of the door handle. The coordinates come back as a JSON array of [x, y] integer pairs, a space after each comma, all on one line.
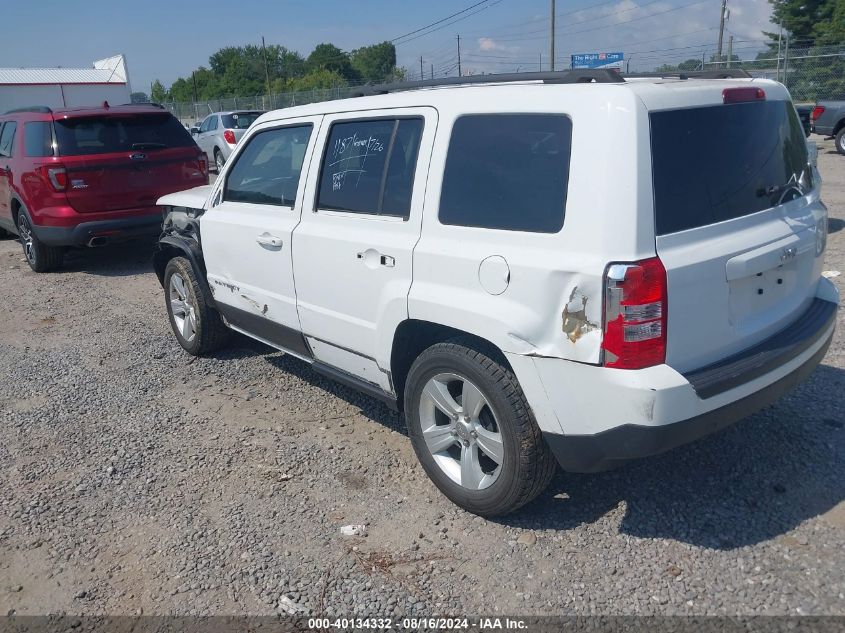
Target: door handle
[[269, 240], [373, 258]]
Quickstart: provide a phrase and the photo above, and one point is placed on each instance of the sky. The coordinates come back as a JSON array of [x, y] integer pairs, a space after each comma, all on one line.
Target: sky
[[166, 39]]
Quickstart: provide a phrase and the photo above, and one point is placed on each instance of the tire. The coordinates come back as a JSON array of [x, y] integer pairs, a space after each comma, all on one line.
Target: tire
[[840, 141], [525, 464], [197, 325], [40, 257], [219, 161]]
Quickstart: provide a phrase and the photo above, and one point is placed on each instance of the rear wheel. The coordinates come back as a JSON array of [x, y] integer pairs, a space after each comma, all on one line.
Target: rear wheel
[[197, 325], [840, 141], [219, 161], [473, 431], [40, 257]]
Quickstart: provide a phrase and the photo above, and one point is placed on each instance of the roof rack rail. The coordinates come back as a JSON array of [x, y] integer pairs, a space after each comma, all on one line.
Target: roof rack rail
[[144, 103], [41, 109], [724, 73], [587, 75]]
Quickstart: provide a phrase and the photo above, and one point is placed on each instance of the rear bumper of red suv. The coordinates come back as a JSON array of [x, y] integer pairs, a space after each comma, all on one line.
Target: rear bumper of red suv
[[100, 232], [64, 226]]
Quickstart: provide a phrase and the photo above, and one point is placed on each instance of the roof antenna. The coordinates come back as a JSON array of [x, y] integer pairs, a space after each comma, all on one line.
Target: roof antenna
[[106, 105]]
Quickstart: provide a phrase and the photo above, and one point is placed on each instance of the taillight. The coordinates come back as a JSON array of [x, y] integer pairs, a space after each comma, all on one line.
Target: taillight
[[817, 112], [741, 95], [203, 161], [635, 315], [56, 175], [229, 135]]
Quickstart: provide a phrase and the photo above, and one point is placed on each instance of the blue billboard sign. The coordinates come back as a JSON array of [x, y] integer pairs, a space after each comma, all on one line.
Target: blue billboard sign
[[598, 60]]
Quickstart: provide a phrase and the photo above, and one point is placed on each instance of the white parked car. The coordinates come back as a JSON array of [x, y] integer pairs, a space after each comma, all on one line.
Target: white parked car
[[536, 272]]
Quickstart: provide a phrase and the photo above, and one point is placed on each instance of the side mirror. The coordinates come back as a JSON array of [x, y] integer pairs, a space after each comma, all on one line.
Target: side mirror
[[194, 131]]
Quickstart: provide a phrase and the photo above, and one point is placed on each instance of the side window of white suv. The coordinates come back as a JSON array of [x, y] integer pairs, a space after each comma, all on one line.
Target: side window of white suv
[[369, 166], [507, 171], [267, 171]]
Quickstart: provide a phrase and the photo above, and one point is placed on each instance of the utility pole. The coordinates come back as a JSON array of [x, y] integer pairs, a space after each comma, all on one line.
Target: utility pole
[[780, 36], [266, 68], [552, 42], [194, 80], [431, 74], [459, 57], [540, 67], [422, 74], [721, 29], [730, 50]]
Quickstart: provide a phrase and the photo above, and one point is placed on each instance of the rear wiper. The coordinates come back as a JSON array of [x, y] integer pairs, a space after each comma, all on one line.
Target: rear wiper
[[773, 190], [148, 146]]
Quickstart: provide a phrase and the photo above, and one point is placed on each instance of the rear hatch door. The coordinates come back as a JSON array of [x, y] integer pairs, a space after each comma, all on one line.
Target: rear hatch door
[[239, 122], [740, 227], [126, 160]]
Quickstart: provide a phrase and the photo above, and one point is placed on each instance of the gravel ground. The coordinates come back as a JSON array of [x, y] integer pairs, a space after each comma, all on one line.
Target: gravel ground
[[136, 479]]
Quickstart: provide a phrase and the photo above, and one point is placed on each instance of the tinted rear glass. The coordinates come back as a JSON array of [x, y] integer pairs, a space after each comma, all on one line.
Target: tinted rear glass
[[722, 162], [507, 171], [239, 120], [105, 134]]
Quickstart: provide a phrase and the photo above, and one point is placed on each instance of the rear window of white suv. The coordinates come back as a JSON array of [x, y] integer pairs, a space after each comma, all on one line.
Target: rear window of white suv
[[507, 172], [717, 163]]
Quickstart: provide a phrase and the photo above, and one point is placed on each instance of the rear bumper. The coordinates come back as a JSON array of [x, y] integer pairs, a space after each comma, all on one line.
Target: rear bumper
[[112, 230], [595, 418], [611, 448]]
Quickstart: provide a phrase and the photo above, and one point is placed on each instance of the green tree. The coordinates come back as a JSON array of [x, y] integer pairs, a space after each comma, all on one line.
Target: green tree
[[158, 93], [317, 80], [139, 97], [690, 64], [376, 63], [330, 57], [804, 20], [816, 55]]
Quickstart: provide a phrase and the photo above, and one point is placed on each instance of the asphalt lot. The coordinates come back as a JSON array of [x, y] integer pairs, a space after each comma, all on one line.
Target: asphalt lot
[[136, 479]]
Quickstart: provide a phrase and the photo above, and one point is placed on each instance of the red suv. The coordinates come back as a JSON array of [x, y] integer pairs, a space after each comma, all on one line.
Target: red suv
[[86, 177]]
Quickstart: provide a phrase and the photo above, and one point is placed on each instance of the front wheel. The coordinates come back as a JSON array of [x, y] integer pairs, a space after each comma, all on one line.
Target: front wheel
[[840, 141], [40, 257], [473, 431], [197, 325]]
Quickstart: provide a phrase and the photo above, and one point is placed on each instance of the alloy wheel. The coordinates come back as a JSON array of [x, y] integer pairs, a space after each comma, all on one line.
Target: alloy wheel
[[219, 161], [182, 307], [461, 431], [27, 239]]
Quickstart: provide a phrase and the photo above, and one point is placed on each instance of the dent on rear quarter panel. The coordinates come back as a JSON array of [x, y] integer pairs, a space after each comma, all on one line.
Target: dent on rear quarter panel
[[575, 306]]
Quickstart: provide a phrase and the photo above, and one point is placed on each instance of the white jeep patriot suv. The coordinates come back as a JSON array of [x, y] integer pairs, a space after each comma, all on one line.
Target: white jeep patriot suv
[[569, 267]]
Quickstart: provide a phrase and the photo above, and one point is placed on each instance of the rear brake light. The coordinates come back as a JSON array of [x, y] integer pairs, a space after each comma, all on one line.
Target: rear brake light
[[635, 315], [817, 112], [229, 135], [741, 95], [56, 175], [203, 161]]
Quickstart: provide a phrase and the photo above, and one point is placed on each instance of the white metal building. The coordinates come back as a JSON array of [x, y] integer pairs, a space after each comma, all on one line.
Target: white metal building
[[106, 80]]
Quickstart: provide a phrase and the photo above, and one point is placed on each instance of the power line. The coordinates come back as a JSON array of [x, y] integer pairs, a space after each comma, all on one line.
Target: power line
[[454, 21], [448, 17]]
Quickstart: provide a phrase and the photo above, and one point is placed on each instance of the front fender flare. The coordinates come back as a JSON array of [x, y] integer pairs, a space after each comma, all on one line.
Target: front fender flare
[[170, 246]]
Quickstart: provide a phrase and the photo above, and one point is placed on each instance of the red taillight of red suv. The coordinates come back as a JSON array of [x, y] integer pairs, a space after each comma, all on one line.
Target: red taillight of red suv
[[203, 161], [56, 175], [635, 314], [229, 135], [817, 112]]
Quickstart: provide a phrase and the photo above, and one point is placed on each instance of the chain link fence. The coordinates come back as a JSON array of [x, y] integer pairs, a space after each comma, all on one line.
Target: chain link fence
[[192, 112], [810, 74]]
